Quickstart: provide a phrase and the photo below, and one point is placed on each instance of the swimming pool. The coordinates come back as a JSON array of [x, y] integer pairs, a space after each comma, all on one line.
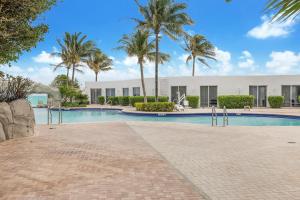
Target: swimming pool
[[106, 115]]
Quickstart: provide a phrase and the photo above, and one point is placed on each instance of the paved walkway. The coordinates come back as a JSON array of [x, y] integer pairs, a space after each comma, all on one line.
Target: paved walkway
[[233, 163], [96, 161], [139, 160]]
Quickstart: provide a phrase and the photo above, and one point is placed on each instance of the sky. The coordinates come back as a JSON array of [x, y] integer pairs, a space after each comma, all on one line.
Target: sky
[[246, 41]]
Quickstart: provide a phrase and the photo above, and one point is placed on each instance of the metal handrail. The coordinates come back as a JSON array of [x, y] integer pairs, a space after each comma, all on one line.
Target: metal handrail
[[225, 117], [214, 117]]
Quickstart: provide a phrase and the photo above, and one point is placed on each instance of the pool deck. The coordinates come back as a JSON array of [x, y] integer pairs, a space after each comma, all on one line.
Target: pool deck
[[146, 160]]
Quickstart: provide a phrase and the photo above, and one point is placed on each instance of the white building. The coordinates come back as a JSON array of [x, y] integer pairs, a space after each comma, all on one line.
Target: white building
[[206, 87]]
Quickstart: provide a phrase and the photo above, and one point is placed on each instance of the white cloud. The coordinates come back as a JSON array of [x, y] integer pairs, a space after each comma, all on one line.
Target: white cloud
[[246, 61], [224, 65], [283, 62], [46, 58], [270, 28]]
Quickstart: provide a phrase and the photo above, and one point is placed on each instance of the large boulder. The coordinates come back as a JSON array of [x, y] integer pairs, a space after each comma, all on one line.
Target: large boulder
[[6, 120], [2, 133], [23, 118]]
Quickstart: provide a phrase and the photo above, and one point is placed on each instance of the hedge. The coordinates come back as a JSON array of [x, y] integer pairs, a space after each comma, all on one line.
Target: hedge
[[101, 100], [275, 101], [298, 98], [155, 107], [113, 100], [73, 104], [193, 101], [235, 101], [123, 101], [140, 99]]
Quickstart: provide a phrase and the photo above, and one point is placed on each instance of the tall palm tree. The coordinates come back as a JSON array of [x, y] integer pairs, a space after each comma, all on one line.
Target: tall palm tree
[[138, 45], [163, 16], [65, 63], [98, 61], [76, 49], [199, 49]]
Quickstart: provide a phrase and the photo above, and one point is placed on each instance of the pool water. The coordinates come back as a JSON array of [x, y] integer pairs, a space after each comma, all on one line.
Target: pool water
[[98, 115]]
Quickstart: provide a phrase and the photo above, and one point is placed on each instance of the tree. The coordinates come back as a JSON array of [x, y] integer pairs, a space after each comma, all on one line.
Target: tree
[[285, 9], [76, 50], [162, 16], [66, 62], [19, 30], [63, 80], [138, 45], [199, 49], [98, 61]]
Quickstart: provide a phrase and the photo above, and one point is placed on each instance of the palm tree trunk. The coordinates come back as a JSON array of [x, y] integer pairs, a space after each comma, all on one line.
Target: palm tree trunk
[[68, 70], [73, 74], [96, 73], [194, 60], [156, 65], [143, 82]]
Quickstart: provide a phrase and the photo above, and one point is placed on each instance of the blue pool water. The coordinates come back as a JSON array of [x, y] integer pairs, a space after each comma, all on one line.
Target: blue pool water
[[97, 115]]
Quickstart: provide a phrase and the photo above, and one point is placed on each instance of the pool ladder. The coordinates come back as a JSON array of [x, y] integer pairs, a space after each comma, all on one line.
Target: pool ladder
[[50, 115], [214, 117]]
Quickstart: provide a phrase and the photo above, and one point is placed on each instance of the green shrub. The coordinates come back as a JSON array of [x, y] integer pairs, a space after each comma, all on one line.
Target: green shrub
[[136, 99], [235, 101], [123, 101], [150, 99], [113, 100], [275, 101], [298, 99], [101, 100], [193, 101], [73, 104], [155, 107]]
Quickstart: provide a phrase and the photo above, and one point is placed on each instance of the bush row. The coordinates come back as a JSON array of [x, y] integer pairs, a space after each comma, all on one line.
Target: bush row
[[276, 101], [125, 101], [73, 104], [155, 107], [235, 101], [193, 101]]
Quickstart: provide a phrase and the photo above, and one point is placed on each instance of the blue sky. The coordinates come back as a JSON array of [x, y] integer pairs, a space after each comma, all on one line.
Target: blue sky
[[246, 42]]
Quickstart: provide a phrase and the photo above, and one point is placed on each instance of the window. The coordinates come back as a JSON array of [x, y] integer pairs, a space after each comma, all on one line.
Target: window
[[125, 92], [110, 92], [136, 91], [260, 95], [177, 92], [291, 94], [208, 96], [95, 93]]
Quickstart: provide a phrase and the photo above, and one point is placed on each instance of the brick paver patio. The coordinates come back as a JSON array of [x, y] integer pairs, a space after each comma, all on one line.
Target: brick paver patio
[[232, 163], [96, 161]]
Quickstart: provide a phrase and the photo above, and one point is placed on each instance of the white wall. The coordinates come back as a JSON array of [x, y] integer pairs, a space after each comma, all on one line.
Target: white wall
[[227, 85]]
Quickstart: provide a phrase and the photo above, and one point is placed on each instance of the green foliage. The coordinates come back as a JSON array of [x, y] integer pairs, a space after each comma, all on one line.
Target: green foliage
[[101, 100], [73, 95], [140, 99], [136, 99], [123, 101], [113, 100], [20, 27], [235, 101], [275, 101], [62, 80], [193, 101], [13, 88], [299, 99], [155, 107], [82, 99], [73, 105]]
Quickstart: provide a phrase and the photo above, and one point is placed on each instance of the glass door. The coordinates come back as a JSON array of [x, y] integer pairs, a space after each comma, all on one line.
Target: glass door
[[286, 93], [213, 95], [204, 96], [253, 92], [177, 90], [262, 96], [95, 93]]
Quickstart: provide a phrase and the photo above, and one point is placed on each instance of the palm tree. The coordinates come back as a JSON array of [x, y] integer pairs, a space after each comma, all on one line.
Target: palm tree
[[97, 61], [138, 45], [199, 49], [76, 49], [285, 9], [66, 63], [162, 16]]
